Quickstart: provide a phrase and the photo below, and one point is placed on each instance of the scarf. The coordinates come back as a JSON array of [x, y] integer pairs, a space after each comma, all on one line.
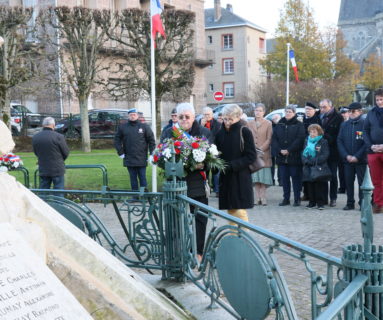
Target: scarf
[[310, 148]]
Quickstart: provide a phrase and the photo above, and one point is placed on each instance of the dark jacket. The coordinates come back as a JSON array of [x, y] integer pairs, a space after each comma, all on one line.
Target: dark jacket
[[315, 119], [320, 158], [288, 135], [214, 127], [373, 129], [235, 184], [331, 127], [351, 142], [51, 150], [194, 180], [134, 139], [169, 125]]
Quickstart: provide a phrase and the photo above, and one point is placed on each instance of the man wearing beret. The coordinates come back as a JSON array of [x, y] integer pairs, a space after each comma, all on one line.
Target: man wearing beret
[[352, 151], [133, 141], [373, 131]]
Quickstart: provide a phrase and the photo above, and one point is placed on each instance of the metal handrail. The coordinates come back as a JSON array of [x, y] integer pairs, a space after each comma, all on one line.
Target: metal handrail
[[25, 172], [82, 166]]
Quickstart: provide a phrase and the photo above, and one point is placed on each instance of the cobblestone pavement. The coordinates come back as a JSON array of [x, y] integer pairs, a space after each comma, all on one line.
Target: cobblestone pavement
[[328, 230]]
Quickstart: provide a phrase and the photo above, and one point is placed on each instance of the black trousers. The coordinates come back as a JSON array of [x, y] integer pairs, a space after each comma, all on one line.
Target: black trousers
[[333, 165], [200, 225], [342, 181], [316, 192], [350, 171]]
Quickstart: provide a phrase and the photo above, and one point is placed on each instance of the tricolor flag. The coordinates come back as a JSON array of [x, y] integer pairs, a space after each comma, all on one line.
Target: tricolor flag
[[155, 12], [294, 64]]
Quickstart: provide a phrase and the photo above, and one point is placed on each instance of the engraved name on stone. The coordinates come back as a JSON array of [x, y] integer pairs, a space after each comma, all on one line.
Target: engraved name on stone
[[28, 288]]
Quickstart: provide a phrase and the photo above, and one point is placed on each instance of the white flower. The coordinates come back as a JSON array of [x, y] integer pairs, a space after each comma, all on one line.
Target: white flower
[[3, 169], [167, 153], [198, 155], [213, 150], [150, 159]]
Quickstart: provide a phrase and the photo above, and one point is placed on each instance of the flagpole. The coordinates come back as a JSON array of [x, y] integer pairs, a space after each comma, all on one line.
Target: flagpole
[[288, 75], [153, 98]]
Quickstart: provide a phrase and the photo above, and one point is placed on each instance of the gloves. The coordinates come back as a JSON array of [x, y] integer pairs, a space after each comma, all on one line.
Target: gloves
[[122, 156]]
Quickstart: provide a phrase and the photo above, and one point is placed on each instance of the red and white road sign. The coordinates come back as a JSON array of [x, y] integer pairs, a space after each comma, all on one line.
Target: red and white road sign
[[218, 96]]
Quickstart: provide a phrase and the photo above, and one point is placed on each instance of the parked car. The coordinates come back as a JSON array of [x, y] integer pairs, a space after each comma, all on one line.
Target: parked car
[[102, 123], [33, 120], [16, 125], [281, 112]]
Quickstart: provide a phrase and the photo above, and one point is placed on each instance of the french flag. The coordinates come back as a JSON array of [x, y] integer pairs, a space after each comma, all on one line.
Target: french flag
[[155, 11], [294, 64]]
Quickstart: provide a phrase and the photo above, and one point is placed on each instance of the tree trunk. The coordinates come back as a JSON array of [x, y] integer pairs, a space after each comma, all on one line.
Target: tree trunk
[[6, 109], [85, 134]]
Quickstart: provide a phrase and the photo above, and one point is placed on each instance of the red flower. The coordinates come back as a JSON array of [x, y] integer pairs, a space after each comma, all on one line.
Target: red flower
[[178, 151], [177, 144], [155, 158], [195, 145]]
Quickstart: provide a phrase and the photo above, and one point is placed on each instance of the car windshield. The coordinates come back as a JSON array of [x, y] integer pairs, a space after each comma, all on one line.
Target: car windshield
[[21, 109]]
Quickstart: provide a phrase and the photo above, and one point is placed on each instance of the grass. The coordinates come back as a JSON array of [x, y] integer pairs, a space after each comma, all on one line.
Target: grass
[[88, 179]]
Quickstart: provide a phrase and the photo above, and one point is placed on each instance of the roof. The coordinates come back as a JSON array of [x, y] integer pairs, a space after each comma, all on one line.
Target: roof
[[228, 19], [356, 9]]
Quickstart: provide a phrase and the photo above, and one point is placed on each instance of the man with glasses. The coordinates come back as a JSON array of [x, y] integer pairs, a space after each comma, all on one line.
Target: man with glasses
[[331, 121], [133, 141], [352, 150], [195, 180], [213, 126]]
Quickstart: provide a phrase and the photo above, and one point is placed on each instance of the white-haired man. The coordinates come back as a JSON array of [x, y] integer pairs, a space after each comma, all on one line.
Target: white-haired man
[[51, 150]]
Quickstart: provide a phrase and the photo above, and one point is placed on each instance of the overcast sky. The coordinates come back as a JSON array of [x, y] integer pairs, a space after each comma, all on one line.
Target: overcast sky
[[265, 13]]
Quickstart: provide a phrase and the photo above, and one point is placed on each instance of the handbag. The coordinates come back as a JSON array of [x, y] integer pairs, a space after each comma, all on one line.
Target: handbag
[[258, 163], [320, 172]]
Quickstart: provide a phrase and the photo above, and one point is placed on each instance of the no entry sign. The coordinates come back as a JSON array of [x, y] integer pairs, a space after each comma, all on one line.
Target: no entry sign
[[218, 96]]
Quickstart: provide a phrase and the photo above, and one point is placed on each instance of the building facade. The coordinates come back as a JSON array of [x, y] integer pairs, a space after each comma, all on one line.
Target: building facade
[[361, 23], [238, 45], [63, 101]]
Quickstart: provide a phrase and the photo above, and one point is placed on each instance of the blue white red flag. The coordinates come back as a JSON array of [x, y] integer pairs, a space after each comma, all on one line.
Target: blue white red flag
[[155, 12], [294, 64]]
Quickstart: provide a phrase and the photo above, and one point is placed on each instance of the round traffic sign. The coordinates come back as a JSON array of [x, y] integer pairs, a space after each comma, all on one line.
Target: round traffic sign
[[218, 96]]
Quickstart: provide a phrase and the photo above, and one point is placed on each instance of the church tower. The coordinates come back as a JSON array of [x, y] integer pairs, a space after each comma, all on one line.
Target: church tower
[[351, 10]]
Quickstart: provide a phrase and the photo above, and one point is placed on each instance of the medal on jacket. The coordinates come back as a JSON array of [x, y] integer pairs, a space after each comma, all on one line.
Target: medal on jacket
[[140, 130], [359, 135]]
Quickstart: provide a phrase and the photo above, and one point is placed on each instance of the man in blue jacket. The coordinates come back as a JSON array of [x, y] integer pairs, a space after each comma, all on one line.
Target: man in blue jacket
[[133, 141], [352, 151]]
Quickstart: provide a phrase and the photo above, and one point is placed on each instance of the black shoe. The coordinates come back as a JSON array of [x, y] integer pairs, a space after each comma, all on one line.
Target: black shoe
[[341, 190], [310, 205], [297, 203], [284, 203], [333, 203], [349, 207], [320, 207]]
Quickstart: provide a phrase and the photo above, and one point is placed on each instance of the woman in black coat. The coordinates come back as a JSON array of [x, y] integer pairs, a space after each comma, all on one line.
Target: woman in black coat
[[287, 145], [235, 184], [316, 151]]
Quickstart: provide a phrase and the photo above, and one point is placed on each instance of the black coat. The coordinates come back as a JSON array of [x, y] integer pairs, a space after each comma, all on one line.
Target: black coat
[[373, 128], [288, 135], [169, 125], [331, 128], [51, 150], [194, 180], [315, 119], [320, 158], [235, 184], [350, 142], [135, 140]]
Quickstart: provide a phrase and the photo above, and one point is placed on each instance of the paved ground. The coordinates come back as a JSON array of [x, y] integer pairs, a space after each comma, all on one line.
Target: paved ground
[[328, 230]]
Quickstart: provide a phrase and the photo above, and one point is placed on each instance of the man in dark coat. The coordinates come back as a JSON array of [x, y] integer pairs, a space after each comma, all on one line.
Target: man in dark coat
[[195, 180], [51, 150], [132, 141], [373, 136], [345, 113], [331, 121], [172, 122], [287, 145], [213, 126], [352, 151]]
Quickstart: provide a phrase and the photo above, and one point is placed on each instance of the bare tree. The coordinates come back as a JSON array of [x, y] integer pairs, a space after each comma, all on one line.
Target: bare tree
[[174, 57], [16, 55], [76, 36]]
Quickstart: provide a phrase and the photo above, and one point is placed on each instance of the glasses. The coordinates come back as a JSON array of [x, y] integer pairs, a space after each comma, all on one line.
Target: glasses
[[174, 115], [228, 119], [354, 111], [184, 117]]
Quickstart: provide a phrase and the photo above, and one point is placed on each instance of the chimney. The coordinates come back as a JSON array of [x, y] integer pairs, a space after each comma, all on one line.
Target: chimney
[[217, 10], [229, 7]]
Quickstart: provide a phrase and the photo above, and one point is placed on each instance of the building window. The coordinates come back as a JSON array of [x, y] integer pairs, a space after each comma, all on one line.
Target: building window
[[211, 87], [227, 41], [228, 66], [210, 39], [261, 45], [228, 89]]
